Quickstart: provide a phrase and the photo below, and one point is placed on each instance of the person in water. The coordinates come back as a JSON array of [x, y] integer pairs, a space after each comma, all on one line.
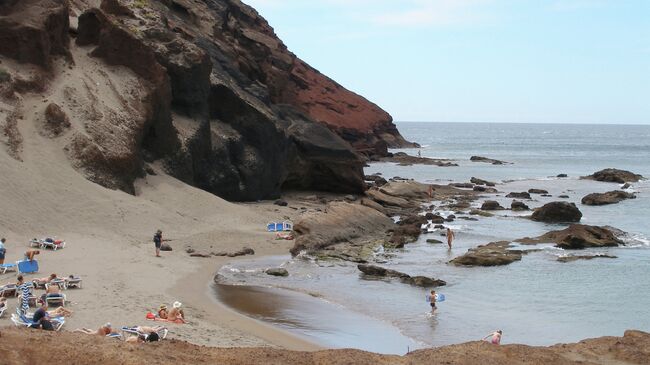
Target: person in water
[[450, 237], [432, 300], [496, 337]]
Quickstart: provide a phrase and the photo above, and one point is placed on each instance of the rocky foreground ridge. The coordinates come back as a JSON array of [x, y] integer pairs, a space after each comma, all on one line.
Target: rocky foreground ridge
[[63, 348], [205, 88]]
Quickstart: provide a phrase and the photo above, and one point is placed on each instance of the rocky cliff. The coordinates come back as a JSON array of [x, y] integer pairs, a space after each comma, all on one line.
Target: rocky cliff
[[203, 88]]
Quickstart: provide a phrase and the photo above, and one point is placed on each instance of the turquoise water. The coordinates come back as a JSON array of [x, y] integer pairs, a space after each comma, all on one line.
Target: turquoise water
[[536, 301]]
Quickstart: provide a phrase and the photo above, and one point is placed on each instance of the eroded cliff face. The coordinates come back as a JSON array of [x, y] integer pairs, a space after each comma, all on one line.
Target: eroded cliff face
[[204, 88]]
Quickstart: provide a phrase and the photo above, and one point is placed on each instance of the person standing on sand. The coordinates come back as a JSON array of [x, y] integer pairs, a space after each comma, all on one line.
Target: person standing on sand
[[24, 290], [3, 251], [450, 236], [496, 337], [158, 240]]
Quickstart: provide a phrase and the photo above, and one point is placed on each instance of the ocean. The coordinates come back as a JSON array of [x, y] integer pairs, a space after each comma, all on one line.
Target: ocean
[[536, 301]]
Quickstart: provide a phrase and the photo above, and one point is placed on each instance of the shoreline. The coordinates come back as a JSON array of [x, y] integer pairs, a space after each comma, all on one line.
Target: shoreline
[[197, 287]]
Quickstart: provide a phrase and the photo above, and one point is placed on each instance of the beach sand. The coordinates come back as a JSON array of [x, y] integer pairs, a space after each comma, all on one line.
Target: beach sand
[[109, 244]]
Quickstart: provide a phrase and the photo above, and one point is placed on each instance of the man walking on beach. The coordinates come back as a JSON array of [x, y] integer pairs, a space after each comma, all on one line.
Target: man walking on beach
[[450, 237], [3, 250]]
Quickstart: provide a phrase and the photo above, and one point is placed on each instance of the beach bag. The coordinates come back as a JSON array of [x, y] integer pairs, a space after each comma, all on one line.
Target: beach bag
[[151, 315]]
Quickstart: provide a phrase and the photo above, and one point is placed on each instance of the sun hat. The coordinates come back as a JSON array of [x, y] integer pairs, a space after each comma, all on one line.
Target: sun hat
[[162, 306], [108, 324], [177, 304]]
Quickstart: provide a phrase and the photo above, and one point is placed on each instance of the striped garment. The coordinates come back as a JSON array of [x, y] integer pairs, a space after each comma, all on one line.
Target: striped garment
[[25, 293]]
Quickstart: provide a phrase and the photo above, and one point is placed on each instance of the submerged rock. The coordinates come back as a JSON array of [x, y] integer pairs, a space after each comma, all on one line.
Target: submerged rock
[[521, 195], [583, 257], [277, 271], [557, 212], [537, 191], [487, 160], [477, 181], [610, 197], [491, 205], [518, 206], [614, 175], [378, 271]]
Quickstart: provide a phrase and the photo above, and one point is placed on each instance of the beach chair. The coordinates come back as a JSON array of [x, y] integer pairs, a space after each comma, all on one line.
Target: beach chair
[[52, 243], [35, 242], [114, 335], [23, 320], [74, 282], [279, 226], [27, 266], [9, 290], [162, 333], [61, 283], [56, 301], [2, 310], [4, 268], [287, 226]]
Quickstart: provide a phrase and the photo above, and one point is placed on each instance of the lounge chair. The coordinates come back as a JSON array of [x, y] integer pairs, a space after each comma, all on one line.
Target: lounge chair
[[27, 266], [35, 242], [52, 243], [9, 290], [61, 283], [56, 301], [4, 268], [279, 226], [22, 320], [114, 335], [162, 333], [74, 282], [2, 310]]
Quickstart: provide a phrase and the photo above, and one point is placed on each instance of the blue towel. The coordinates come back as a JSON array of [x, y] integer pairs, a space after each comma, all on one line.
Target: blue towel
[[27, 266]]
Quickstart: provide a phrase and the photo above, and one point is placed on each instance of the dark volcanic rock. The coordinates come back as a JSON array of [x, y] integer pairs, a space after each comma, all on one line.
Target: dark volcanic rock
[[56, 121], [491, 254], [281, 203], [32, 31], [563, 196], [378, 271], [572, 258], [462, 185], [477, 181], [521, 195], [278, 271], [404, 159], [491, 205], [487, 160], [557, 212], [434, 241], [562, 175], [578, 236], [165, 247], [614, 175], [537, 191], [610, 197], [517, 205]]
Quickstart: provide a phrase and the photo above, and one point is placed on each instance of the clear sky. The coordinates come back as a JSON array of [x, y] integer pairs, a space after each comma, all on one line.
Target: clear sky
[[555, 61]]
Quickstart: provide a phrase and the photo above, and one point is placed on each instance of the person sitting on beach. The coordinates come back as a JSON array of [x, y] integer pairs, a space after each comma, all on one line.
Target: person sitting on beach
[[176, 314], [29, 255], [496, 337], [41, 319], [3, 302], [432, 300], [3, 250], [162, 311]]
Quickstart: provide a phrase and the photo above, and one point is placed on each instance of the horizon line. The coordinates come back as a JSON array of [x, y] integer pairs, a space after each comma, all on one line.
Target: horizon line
[[489, 122]]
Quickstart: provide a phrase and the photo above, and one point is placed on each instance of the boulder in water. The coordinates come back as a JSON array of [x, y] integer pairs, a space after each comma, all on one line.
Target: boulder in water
[[614, 175], [610, 197], [537, 191], [521, 195], [277, 271], [491, 205], [518, 206], [579, 236], [557, 212]]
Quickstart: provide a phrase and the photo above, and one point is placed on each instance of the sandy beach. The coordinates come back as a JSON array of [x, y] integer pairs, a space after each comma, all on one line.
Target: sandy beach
[[109, 244]]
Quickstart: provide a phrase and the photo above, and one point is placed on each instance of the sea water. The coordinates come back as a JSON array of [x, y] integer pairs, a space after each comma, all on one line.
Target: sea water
[[536, 301]]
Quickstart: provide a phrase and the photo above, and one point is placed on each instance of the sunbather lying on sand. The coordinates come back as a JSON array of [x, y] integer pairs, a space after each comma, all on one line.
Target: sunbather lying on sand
[[60, 312], [148, 334], [101, 331], [43, 281]]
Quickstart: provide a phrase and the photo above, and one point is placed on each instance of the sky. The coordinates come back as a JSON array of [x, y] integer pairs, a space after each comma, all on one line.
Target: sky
[[526, 61]]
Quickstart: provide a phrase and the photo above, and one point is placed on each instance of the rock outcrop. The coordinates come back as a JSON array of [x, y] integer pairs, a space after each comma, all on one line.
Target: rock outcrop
[[487, 160], [579, 236], [610, 197], [520, 195], [206, 88], [341, 230], [557, 212], [477, 181], [491, 205], [518, 206], [403, 159], [614, 175], [572, 258], [378, 271], [491, 254], [537, 191]]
